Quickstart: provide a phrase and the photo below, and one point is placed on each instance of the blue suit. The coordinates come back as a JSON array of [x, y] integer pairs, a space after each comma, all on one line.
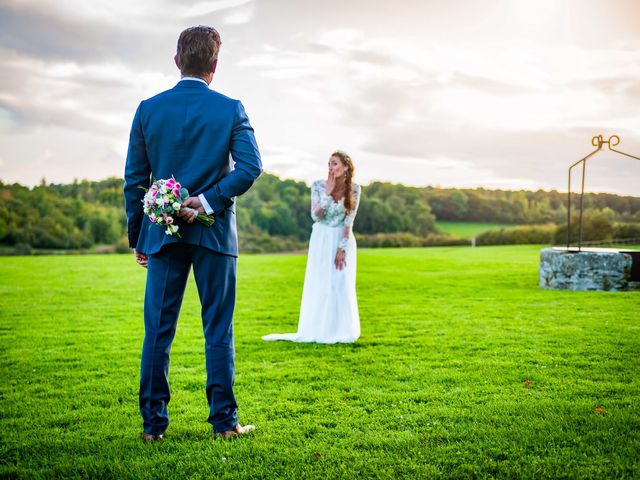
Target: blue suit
[[189, 132]]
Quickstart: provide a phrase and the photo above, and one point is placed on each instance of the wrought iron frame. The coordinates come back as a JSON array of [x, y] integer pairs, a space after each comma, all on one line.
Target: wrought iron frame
[[597, 141]]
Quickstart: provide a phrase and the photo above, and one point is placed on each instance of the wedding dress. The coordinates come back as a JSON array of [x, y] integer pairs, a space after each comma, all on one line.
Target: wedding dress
[[329, 308]]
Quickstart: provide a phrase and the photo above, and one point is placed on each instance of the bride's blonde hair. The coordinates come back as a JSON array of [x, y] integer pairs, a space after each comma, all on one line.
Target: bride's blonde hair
[[349, 200]]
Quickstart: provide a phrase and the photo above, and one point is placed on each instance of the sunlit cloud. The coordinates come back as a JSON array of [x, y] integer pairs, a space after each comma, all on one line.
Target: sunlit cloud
[[484, 116], [241, 16], [206, 8], [287, 161]]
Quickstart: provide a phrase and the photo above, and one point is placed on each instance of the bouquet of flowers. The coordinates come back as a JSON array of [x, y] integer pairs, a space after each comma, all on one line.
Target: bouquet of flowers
[[163, 199]]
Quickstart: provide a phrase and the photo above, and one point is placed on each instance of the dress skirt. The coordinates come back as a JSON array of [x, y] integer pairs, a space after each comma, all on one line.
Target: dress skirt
[[329, 307]]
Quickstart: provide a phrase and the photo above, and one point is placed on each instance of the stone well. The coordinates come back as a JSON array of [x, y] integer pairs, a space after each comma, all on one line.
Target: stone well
[[590, 269]]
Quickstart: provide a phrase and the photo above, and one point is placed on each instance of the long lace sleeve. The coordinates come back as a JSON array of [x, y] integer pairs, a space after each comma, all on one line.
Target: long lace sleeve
[[348, 220], [318, 200]]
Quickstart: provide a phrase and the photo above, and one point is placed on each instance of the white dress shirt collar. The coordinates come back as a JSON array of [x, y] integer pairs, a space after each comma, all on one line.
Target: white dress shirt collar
[[196, 79]]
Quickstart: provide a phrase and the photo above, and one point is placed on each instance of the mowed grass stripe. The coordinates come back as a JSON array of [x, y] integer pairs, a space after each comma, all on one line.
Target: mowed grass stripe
[[468, 229]]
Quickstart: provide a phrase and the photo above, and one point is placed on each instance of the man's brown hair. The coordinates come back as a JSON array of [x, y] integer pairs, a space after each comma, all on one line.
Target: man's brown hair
[[198, 48]]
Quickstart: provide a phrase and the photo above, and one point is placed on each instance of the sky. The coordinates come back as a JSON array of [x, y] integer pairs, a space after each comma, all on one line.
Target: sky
[[451, 93]]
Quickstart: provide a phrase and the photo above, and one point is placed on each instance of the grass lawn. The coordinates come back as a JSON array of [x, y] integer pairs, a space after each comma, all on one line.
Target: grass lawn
[[468, 229], [465, 369]]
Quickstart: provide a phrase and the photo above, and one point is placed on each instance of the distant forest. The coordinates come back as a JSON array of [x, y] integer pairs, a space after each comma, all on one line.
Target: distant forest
[[274, 215]]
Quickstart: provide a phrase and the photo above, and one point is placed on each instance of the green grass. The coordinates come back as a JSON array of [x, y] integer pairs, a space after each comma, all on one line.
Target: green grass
[[468, 229], [465, 369]]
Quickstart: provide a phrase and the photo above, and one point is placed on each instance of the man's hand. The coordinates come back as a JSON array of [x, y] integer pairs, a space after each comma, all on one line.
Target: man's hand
[[341, 259], [195, 203], [191, 207], [141, 258], [188, 214]]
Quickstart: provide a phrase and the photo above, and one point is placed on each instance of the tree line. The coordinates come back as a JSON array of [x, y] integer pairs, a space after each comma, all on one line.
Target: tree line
[[274, 214]]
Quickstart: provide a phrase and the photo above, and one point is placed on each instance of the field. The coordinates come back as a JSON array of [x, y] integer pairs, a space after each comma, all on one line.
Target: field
[[465, 369], [468, 229]]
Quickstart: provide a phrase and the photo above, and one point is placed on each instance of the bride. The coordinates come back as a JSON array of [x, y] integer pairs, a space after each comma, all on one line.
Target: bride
[[329, 309]]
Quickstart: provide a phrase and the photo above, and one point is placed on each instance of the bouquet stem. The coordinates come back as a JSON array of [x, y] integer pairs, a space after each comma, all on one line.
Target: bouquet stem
[[206, 220]]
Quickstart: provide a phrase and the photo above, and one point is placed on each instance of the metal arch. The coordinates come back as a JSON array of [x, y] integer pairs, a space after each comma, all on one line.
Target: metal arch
[[598, 141]]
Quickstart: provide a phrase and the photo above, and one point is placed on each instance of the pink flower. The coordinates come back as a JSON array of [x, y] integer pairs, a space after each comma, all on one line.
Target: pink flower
[[169, 220], [154, 193], [176, 192], [152, 218], [171, 183]]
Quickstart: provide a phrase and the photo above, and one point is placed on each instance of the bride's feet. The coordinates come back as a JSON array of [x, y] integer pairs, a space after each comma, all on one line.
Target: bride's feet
[[235, 432]]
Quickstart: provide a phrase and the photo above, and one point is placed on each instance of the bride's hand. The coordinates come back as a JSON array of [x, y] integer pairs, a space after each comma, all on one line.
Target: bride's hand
[[341, 259], [331, 183]]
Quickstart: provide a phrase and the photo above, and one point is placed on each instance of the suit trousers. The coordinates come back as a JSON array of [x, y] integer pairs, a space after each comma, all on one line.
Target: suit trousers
[[167, 274]]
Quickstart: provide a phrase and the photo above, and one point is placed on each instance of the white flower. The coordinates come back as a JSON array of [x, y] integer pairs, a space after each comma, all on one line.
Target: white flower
[[171, 229], [176, 206]]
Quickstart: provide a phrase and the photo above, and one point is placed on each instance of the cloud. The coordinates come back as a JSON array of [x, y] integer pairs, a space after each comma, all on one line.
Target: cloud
[[45, 33], [87, 96], [287, 161], [371, 57], [241, 15], [205, 8]]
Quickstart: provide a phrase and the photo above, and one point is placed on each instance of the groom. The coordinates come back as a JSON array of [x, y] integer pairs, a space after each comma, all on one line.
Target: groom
[[190, 132]]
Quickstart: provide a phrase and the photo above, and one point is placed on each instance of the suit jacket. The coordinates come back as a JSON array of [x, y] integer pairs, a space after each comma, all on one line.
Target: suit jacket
[[192, 133]]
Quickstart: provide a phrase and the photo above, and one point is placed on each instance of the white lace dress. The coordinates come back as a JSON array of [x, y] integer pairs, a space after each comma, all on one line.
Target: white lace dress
[[329, 308]]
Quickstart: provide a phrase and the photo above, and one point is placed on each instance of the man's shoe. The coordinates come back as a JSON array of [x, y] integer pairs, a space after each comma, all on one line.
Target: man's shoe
[[148, 437], [235, 432]]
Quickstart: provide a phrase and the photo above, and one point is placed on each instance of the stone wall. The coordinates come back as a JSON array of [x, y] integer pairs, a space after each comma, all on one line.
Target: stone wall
[[586, 270]]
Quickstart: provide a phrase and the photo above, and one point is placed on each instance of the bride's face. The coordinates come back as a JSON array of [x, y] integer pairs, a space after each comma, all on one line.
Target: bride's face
[[336, 166]]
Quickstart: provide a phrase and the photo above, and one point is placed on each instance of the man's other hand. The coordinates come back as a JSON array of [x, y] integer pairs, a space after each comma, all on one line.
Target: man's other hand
[[141, 258]]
